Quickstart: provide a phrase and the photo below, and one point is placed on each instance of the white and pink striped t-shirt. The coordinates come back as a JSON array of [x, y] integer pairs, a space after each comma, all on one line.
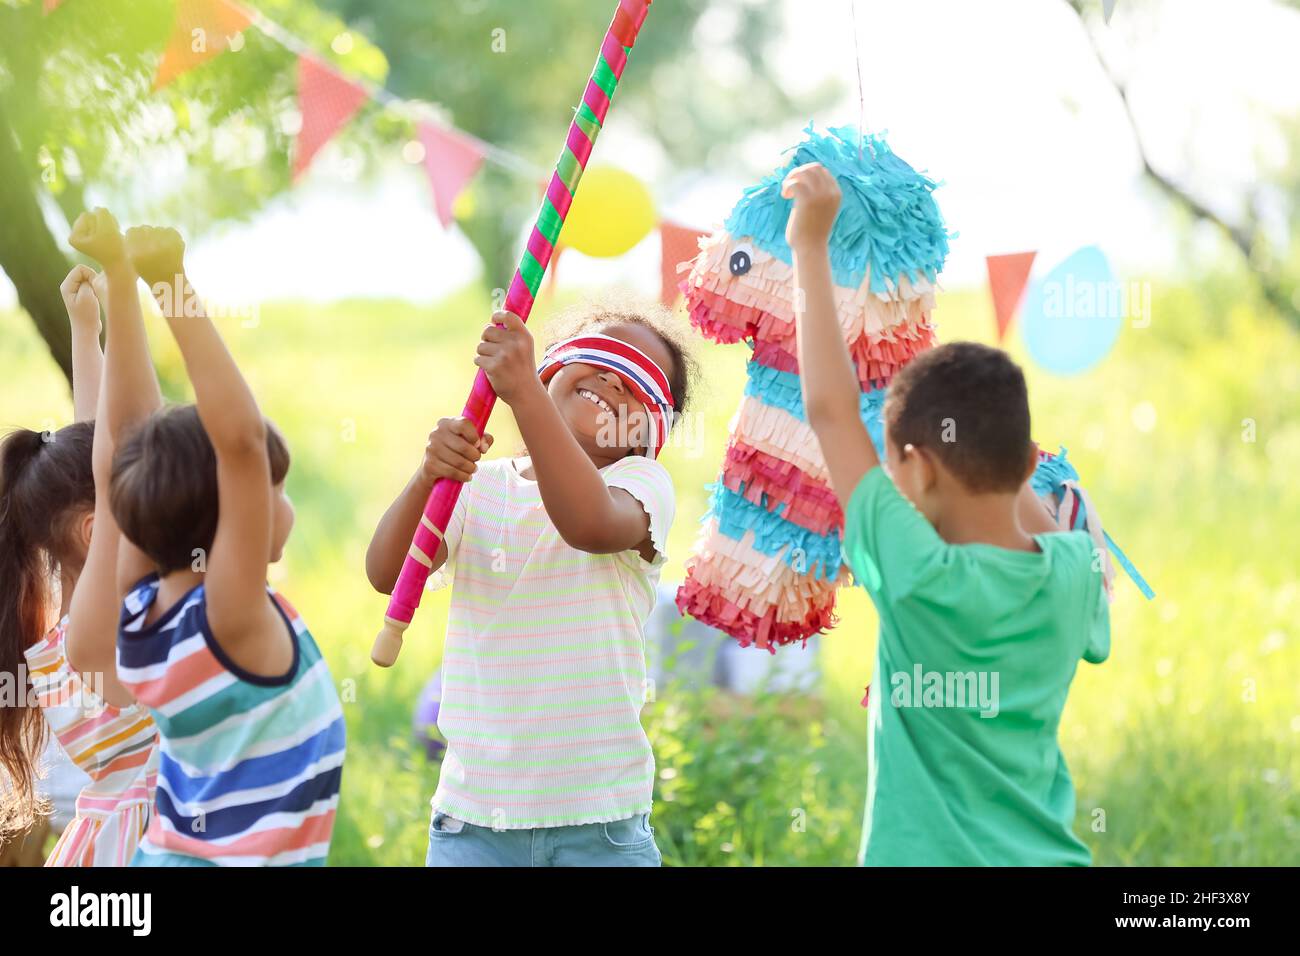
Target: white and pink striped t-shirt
[[543, 671]]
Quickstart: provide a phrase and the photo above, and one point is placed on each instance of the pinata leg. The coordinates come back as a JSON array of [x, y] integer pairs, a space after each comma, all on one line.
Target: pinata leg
[[1057, 484]]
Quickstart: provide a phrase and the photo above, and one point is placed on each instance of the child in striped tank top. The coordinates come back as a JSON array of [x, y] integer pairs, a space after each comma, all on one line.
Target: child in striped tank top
[[49, 524], [556, 555], [251, 729]]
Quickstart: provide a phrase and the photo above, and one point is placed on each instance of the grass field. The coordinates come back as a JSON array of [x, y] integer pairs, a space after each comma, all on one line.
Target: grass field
[[1185, 745]]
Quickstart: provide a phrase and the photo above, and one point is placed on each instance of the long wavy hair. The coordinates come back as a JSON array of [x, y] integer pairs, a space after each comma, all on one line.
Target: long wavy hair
[[46, 485]]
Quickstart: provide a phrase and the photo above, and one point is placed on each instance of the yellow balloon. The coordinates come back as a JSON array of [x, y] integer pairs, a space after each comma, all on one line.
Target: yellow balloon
[[612, 212]]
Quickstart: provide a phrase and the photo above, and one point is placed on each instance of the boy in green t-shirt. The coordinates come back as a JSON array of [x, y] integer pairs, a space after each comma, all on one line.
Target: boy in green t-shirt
[[985, 608]]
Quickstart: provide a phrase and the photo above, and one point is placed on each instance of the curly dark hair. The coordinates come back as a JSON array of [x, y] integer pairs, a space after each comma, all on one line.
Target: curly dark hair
[[968, 405]]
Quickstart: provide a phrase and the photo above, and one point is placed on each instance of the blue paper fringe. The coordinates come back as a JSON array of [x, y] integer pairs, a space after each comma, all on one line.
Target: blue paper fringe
[[888, 220], [782, 390], [808, 553], [821, 555]]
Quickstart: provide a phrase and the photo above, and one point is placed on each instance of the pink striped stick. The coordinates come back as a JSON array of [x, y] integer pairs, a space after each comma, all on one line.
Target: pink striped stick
[[586, 125]]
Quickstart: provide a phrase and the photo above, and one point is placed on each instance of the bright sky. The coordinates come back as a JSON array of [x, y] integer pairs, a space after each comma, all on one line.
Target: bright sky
[[1000, 101]]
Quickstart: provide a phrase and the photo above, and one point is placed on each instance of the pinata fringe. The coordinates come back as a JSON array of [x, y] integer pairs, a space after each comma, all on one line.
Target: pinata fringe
[[779, 434], [757, 305], [888, 227], [753, 597], [747, 627], [771, 534], [783, 390], [876, 361], [776, 484]]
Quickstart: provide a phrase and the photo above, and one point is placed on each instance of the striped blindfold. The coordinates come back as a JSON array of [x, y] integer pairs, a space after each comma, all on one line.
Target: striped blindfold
[[638, 371]]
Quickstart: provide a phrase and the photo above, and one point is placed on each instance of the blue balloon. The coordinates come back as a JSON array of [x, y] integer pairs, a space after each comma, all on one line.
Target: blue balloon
[[1073, 315]]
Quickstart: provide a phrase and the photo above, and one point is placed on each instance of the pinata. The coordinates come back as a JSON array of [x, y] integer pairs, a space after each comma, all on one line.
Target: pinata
[[768, 562]]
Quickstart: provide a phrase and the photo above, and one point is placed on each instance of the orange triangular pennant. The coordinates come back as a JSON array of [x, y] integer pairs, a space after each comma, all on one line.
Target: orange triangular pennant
[[202, 29], [677, 244], [1008, 275]]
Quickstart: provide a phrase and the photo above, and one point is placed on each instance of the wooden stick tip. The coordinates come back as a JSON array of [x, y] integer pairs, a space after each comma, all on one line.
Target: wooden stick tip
[[388, 644]]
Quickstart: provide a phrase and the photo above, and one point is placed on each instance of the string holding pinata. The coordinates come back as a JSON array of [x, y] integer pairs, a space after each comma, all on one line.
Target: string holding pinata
[[768, 560]]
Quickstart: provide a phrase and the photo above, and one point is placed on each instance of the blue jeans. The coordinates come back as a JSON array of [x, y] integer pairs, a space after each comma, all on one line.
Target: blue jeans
[[629, 842]]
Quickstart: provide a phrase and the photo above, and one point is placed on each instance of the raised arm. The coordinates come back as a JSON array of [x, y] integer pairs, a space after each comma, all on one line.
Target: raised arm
[[96, 602], [131, 392], [95, 606], [830, 386], [87, 359], [589, 515], [235, 582]]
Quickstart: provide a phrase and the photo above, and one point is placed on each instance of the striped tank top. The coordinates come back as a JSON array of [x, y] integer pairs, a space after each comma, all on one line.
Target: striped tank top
[[116, 747], [250, 766], [543, 670]]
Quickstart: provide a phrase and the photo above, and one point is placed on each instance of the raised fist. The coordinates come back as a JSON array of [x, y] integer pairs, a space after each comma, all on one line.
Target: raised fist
[[816, 197], [79, 298], [158, 253], [96, 234]]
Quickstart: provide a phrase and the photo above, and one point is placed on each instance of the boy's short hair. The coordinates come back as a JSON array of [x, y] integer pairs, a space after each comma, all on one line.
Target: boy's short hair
[[163, 490], [967, 404]]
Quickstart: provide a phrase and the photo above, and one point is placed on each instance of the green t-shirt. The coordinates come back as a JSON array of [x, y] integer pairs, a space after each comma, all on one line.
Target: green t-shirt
[[978, 645]]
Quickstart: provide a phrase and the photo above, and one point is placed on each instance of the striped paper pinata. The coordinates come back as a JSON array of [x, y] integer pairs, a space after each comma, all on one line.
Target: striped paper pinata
[[768, 562]]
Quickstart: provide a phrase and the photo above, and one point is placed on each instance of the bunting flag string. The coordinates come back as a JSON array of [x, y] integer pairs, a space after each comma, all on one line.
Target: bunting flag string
[[328, 100]]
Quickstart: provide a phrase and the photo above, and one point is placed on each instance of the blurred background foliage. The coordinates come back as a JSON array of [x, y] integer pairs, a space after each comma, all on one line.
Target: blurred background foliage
[[78, 112]]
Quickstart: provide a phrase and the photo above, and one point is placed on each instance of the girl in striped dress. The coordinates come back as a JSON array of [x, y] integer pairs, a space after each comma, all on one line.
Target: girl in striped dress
[[556, 555], [251, 729], [47, 516]]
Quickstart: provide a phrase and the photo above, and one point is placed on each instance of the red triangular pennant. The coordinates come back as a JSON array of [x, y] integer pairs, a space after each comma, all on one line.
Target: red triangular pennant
[[1007, 278], [677, 244], [201, 30], [326, 101], [450, 160]]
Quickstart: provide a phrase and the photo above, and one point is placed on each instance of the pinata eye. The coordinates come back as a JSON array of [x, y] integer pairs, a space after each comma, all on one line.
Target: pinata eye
[[742, 260]]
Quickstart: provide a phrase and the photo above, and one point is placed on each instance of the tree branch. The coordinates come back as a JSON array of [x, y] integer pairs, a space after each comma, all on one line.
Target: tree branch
[[1248, 239]]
